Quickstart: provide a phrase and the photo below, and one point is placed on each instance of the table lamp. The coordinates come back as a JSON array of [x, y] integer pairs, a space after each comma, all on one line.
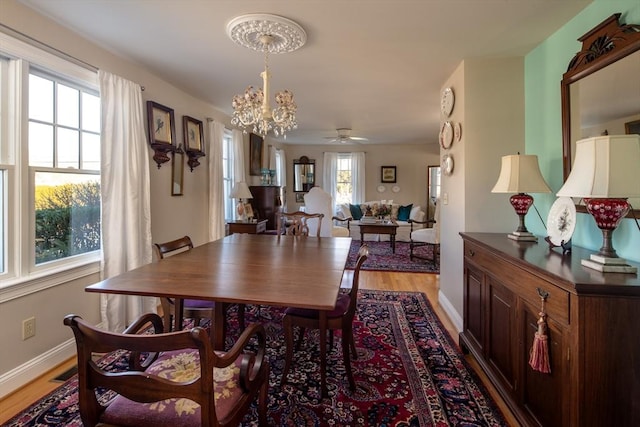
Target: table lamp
[[520, 174], [605, 172], [240, 191]]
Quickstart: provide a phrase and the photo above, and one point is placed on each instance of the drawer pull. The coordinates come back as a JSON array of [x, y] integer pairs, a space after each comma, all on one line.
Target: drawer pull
[[543, 294], [471, 252]]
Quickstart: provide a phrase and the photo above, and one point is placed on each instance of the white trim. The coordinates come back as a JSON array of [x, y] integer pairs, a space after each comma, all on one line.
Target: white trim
[[18, 377], [453, 314]]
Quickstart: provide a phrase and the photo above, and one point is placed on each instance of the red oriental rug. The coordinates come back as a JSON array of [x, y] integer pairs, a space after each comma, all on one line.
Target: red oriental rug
[[381, 258], [408, 373]]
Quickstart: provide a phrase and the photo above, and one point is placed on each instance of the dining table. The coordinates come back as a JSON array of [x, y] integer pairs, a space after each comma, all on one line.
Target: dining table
[[261, 269]]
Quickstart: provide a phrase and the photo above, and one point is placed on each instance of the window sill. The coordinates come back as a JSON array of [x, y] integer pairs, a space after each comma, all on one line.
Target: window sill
[[20, 287]]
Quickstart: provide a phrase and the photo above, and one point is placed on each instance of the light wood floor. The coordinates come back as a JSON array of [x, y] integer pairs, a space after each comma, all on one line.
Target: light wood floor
[[426, 283]]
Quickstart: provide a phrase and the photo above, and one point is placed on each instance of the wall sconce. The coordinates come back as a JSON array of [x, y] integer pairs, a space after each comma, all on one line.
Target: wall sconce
[[605, 172], [520, 174]]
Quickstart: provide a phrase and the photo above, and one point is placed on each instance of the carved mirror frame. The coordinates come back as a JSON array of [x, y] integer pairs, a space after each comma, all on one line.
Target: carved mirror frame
[[605, 44]]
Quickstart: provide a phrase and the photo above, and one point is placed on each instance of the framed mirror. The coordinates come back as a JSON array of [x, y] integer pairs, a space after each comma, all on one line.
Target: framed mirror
[[433, 189], [601, 90], [177, 173], [304, 174]]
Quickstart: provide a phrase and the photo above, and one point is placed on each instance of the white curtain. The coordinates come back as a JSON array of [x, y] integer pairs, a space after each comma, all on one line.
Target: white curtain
[[278, 162], [330, 175], [215, 132], [237, 141], [358, 177], [126, 205]]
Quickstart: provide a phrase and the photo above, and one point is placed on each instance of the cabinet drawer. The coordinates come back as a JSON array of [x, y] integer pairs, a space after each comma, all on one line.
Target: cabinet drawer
[[522, 283]]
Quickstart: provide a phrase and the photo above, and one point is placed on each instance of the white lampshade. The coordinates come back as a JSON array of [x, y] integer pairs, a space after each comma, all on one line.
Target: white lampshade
[[605, 167], [241, 191], [520, 173]]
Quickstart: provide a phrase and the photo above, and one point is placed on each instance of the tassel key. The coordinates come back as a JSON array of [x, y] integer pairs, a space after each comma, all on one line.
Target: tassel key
[[539, 355]]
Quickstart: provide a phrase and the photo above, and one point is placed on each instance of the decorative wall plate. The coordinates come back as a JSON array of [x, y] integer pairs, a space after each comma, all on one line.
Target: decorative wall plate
[[447, 164], [395, 188], [446, 135], [561, 221], [381, 188], [457, 131], [447, 100]]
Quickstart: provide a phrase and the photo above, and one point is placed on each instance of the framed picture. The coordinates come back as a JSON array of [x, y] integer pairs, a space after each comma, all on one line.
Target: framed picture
[[299, 197], [388, 174], [632, 127], [255, 154], [193, 140], [248, 210], [162, 131]]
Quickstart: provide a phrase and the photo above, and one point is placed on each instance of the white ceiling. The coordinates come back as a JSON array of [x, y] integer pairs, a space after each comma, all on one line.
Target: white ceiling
[[375, 66]]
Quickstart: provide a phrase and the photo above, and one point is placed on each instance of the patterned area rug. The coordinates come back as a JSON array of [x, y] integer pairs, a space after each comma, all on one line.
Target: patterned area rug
[[381, 258], [408, 373]]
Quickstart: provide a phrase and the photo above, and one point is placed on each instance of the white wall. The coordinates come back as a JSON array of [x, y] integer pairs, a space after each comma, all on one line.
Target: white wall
[[490, 106], [171, 217]]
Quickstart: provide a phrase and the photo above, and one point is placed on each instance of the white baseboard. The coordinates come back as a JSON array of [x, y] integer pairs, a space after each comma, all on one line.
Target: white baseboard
[[19, 377], [453, 314]]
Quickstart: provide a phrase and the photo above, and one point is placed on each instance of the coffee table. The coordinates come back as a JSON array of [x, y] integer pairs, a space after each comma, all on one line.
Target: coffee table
[[382, 227]]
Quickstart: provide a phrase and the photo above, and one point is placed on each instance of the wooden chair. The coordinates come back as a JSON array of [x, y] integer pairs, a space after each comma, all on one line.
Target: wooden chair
[[426, 237], [193, 309], [173, 378], [296, 223], [339, 318]]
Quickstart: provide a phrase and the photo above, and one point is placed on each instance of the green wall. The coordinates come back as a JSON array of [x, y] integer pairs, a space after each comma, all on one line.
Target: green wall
[[544, 67]]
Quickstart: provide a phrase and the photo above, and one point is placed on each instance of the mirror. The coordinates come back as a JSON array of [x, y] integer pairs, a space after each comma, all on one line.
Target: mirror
[[433, 189], [600, 89], [304, 177], [177, 173]]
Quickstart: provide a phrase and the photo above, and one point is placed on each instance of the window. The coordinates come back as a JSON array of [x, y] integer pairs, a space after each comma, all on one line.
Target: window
[[49, 167], [344, 181], [227, 174]]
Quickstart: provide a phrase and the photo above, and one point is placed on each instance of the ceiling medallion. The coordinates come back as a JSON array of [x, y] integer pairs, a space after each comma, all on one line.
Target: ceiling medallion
[[267, 34]]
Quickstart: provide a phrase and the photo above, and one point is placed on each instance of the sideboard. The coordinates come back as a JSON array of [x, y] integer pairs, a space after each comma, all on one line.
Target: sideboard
[[593, 332]]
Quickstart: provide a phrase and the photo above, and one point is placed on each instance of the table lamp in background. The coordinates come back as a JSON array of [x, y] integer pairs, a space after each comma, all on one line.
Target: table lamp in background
[[241, 192], [605, 172], [520, 174]]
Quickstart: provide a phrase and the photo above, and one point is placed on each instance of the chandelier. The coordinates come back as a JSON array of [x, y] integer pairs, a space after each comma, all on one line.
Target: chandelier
[[267, 34]]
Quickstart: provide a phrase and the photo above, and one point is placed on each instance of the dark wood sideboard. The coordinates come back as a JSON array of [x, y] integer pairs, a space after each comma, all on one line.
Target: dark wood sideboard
[[594, 332], [267, 202]]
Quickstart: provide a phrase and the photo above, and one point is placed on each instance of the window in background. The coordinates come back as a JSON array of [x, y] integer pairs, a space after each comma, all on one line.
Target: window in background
[[227, 175], [344, 179], [64, 155]]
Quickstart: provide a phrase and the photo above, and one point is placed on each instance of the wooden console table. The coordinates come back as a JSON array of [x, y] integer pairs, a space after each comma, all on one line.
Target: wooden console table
[[257, 227], [593, 330], [389, 228]]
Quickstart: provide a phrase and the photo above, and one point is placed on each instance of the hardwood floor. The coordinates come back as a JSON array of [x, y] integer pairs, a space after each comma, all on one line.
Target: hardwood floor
[[426, 283]]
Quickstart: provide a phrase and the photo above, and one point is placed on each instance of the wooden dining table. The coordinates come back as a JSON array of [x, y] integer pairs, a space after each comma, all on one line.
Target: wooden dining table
[[288, 271]]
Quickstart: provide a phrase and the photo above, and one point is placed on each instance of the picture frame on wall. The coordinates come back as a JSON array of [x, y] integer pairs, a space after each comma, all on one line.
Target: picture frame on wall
[[193, 140], [255, 154], [300, 197], [632, 127], [388, 174], [162, 131]]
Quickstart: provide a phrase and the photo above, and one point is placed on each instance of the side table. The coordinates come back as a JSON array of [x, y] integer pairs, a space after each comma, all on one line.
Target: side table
[[247, 227]]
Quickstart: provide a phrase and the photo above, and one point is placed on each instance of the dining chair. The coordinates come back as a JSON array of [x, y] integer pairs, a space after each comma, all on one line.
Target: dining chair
[[296, 223], [193, 309], [340, 318], [426, 237], [173, 378]]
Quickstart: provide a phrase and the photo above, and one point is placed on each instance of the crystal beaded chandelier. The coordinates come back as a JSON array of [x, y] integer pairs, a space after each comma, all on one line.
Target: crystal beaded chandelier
[[267, 34]]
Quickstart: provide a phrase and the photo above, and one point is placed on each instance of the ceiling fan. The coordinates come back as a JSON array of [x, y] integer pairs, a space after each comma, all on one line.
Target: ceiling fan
[[344, 136]]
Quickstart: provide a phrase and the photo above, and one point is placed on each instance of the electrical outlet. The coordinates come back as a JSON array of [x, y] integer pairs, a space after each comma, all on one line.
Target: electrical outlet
[[28, 328]]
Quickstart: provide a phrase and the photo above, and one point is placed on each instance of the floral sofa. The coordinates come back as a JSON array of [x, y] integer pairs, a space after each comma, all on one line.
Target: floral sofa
[[400, 213]]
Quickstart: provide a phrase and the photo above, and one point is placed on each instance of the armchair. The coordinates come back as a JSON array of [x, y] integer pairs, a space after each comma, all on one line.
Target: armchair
[[318, 200], [173, 378], [426, 237]]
